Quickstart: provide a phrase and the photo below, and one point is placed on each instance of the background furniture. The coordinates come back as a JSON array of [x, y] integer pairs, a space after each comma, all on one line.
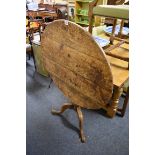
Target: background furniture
[[43, 14], [115, 12], [81, 11], [61, 9], [38, 57], [31, 27], [81, 70], [109, 21], [62, 13], [33, 31], [120, 49]]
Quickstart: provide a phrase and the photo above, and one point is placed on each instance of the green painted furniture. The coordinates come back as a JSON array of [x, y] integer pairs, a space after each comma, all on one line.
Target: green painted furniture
[[114, 11], [81, 11]]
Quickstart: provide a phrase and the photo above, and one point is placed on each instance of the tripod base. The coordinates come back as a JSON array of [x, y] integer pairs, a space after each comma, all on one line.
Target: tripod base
[[79, 114]]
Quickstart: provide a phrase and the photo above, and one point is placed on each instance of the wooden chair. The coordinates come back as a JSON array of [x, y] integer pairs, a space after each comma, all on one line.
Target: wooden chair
[[115, 12], [32, 26], [119, 50], [29, 50], [81, 70]]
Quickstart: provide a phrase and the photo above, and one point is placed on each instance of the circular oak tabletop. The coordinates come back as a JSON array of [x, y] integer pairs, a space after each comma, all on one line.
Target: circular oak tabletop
[[77, 64]]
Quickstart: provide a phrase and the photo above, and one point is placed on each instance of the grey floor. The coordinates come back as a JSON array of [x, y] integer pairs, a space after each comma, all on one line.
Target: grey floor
[[58, 135]]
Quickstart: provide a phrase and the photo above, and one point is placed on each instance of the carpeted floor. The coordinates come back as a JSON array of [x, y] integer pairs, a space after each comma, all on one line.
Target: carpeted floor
[[59, 135]]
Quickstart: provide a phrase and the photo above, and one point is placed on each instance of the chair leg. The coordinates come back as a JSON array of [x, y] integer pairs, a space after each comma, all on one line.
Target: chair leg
[[121, 28], [80, 116], [122, 111], [113, 31]]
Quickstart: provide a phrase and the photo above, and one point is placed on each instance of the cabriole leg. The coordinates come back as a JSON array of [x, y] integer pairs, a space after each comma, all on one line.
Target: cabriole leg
[[80, 116], [63, 108]]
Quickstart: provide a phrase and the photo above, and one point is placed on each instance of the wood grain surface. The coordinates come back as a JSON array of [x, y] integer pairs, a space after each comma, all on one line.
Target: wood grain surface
[[77, 64]]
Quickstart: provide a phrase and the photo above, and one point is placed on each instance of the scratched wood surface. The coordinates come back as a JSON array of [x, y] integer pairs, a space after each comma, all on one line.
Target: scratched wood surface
[[77, 64]]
